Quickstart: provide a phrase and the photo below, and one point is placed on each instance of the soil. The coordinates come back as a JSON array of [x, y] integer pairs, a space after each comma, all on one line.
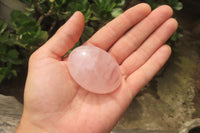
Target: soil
[[14, 87]]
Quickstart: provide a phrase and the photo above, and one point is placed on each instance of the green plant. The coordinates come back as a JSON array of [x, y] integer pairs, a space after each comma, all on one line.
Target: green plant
[[176, 36], [29, 30], [7, 56], [17, 42], [53, 13], [107, 9], [176, 6]]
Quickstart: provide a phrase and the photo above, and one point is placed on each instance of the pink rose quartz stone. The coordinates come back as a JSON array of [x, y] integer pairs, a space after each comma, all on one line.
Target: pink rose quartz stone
[[94, 69]]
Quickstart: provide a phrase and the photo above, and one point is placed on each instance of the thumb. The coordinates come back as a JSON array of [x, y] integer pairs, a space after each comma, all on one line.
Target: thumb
[[66, 37]]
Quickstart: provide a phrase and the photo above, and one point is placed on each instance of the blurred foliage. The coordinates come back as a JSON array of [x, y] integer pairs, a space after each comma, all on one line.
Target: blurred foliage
[[176, 5], [30, 29], [17, 42]]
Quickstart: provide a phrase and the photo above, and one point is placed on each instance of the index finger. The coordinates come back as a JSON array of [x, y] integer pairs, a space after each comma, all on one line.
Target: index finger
[[111, 32]]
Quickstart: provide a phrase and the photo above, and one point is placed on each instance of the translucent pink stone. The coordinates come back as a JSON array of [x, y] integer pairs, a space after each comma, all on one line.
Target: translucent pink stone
[[94, 69]]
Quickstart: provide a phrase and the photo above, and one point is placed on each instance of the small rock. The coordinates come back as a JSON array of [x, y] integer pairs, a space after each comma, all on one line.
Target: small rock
[[188, 126], [10, 114]]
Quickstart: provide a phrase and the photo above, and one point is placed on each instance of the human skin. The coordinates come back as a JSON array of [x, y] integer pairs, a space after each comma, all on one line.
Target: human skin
[[55, 103]]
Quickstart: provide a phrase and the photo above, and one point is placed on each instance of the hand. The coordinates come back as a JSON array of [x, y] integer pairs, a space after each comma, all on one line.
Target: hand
[[55, 103]]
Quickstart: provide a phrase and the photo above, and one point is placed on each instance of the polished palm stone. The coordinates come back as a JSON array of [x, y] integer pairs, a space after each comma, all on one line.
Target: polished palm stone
[[94, 69]]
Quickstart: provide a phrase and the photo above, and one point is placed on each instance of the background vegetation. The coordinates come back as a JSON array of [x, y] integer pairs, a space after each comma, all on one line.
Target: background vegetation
[[28, 30]]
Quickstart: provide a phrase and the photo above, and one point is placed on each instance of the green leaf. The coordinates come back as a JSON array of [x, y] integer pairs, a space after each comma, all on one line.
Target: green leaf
[[3, 26], [105, 6], [78, 5], [7, 72], [87, 33], [14, 72], [13, 61], [152, 3], [18, 18], [88, 15], [13, 53], [44, 36], [116, 12], [64, 1], [179, 35], [121, 4], [174, 37], [30, 9], [64, 15], [4, 38], [2, 74], [178, 6], [28, 26], [3, 50]]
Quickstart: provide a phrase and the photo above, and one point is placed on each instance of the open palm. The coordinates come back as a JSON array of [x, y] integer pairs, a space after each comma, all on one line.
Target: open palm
[[55, 103]]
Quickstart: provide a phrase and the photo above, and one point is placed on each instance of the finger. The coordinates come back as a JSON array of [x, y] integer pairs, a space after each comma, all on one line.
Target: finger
[[132, 39], [66, 37], [111, 32], [143, 53], [143, 75]]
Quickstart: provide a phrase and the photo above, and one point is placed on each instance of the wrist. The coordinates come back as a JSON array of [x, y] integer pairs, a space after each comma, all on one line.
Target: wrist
[[25, 126]]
